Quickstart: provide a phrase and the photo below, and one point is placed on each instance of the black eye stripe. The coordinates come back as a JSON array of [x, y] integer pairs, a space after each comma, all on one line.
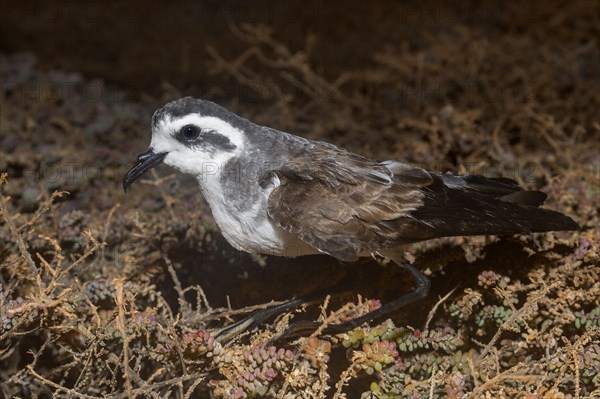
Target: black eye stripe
[[218, 140], [208, 139]]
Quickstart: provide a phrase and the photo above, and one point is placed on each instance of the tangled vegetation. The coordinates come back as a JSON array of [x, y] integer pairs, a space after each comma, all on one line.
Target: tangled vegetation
[[105, 296]]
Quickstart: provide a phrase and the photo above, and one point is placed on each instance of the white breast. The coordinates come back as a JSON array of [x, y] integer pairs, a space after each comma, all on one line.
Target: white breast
[[251, 231]]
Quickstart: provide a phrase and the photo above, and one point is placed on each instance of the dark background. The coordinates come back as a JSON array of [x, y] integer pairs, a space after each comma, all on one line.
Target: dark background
[[496, 88], [139, 44], [493, 88]]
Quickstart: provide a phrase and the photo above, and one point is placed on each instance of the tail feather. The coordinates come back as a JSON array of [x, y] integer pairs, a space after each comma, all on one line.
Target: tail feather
[[527, 198], [476, 205]]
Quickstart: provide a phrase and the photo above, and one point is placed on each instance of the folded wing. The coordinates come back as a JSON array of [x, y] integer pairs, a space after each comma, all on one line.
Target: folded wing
[[346, 205]]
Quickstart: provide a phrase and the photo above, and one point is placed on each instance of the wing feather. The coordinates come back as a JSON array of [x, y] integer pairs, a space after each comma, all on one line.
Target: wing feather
[[334, 200], [346, 205]]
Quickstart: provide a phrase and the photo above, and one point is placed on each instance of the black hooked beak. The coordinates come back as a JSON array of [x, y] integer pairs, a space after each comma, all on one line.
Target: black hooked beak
[[145, 161]]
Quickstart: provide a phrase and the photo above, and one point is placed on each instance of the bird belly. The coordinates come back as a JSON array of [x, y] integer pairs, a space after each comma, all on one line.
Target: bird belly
[[263, 237], [253, 231]]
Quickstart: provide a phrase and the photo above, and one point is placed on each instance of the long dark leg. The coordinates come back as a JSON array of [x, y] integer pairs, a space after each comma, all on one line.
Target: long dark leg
[[233, 330], [306, 328], [420, 291]]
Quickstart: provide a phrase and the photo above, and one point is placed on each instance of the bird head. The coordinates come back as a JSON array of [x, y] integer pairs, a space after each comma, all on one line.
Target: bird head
[[194, 136]]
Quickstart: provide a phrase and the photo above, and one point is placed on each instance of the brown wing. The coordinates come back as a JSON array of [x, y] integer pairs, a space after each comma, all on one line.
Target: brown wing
[[343, 204]]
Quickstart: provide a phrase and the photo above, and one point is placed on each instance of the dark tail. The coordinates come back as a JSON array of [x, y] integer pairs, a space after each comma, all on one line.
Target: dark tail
[[476, 205]]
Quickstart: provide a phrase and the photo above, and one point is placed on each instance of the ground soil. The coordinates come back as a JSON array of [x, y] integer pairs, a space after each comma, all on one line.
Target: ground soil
[[499, 89]]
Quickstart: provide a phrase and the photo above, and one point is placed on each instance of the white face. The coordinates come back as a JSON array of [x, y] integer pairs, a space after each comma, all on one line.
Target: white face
[[196, 144]]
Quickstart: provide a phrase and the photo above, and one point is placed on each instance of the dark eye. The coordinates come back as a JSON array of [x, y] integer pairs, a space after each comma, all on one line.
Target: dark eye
[[190, 132]]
